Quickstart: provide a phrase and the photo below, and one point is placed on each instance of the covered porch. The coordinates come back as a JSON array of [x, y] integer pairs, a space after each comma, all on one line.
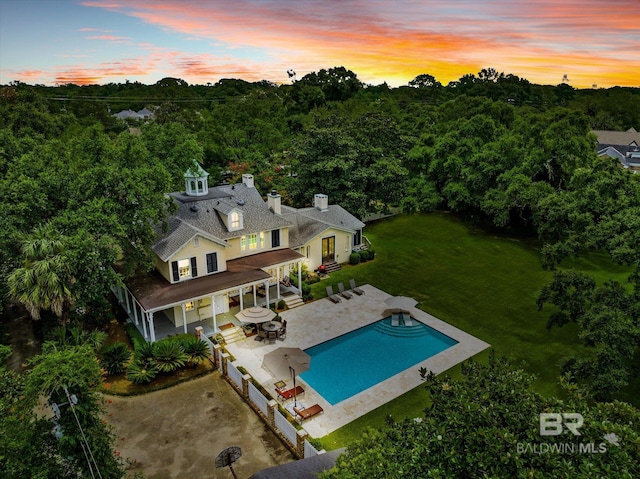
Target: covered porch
[[160, 309]]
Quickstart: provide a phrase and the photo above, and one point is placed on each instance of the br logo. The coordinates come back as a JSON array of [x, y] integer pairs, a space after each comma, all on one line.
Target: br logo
[[553, 424]]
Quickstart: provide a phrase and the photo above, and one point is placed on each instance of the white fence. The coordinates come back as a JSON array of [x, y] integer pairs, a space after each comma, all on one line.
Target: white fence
[[209, 343], [309, 450], [285, 427], [234, 374], [267, 407], [258, 399]]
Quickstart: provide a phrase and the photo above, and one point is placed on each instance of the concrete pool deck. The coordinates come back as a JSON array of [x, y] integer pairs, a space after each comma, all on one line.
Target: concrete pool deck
[[322, 320]]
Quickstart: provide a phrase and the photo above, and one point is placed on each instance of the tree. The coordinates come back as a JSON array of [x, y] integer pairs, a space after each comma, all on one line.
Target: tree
[[41, 283], [425, 81], [28, 446], [609, 320], [486, 425]]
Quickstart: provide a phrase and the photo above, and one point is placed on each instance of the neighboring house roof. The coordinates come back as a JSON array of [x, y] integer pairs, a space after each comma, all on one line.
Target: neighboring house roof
[[307, 468], [310, 222], [607, 137], [202, 214], [139, 115]]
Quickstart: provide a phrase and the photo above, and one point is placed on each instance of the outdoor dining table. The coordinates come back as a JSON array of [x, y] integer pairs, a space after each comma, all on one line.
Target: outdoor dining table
[[271, 326]]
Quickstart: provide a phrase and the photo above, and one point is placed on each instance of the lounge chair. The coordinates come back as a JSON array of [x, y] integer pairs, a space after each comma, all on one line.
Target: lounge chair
[[333, 297], [343, 292], [354, 288], [395, 319], [407, 319], [308, 412], [289, 393]]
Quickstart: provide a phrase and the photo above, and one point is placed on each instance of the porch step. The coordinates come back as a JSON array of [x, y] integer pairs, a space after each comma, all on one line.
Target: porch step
[[232, 335], [331, 267], [293, 301]]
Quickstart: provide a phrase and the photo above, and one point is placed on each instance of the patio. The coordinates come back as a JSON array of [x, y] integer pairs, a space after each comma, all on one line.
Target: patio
[[323, 320]]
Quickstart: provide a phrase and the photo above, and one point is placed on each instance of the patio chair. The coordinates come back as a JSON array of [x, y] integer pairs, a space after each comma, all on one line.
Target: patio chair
[[407, 319], [273, 335], [333, 297], [262, 335], [343, 292], [290, 393], [307, 412], [286, 281], [354, 288]]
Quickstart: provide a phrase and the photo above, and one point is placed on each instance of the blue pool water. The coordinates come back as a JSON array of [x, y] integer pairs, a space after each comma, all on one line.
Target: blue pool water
[[353, 362]]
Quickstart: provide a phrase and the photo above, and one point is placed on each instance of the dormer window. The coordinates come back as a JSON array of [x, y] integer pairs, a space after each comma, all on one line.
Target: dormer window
[[234, 220]]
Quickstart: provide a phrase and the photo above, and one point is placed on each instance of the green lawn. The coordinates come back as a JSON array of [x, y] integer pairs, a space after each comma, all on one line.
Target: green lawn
[[481, 283]]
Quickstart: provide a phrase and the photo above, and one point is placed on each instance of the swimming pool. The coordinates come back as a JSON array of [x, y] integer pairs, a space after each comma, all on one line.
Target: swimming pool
[[344, 366]]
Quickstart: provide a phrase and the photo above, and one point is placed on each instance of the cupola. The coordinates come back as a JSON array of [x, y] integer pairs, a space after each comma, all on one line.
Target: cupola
[[196, 180]]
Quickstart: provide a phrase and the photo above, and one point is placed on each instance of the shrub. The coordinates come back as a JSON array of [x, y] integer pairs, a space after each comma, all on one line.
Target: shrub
[[372, 254], [169, 356], [281, 304], [364, 255], [5, 352], [196, 350], [354, 258], [134, 335], [115, 357], [306, 292], [145, 353], [141, 373]]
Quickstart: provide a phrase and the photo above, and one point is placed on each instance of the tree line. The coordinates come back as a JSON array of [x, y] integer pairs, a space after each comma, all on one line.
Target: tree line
[[82, 191]]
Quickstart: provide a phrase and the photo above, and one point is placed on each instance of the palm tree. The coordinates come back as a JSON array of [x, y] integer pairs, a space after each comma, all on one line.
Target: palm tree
[[41, 283]]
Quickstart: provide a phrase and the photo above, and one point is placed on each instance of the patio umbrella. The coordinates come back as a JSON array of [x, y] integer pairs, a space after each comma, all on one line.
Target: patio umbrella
[[255, 314], [399, 304], [287, 362]]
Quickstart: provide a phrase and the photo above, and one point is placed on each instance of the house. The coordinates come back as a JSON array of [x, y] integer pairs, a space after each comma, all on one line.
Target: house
[[226, 249], [144, 114], [621, 145]]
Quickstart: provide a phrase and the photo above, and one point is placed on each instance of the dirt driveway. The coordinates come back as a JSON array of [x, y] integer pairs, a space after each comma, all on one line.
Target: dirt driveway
[[178, 432]]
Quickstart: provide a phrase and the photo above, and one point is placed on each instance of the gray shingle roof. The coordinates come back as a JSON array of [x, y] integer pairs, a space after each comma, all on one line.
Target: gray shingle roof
[[310, 222], [308, 468], [607, 137], [201, 215]]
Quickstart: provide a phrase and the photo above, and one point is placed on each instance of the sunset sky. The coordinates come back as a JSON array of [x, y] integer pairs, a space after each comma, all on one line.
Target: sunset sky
[[201, 41]]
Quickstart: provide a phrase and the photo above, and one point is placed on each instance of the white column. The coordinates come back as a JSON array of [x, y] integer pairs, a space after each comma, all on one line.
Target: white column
[[267, 291], [152, 328], [278, 282], [126, 295], [241, 298], [300, 278], [135, 311], [184, 317], [144, 325], [255, 299], [213, 314]]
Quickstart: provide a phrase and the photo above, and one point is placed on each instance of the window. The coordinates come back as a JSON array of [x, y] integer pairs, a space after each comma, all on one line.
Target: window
[[212, 262], [275, 238], [196, 242], [184, 268], [234, 221], [253, 241], [189, 306], [243, 243]]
